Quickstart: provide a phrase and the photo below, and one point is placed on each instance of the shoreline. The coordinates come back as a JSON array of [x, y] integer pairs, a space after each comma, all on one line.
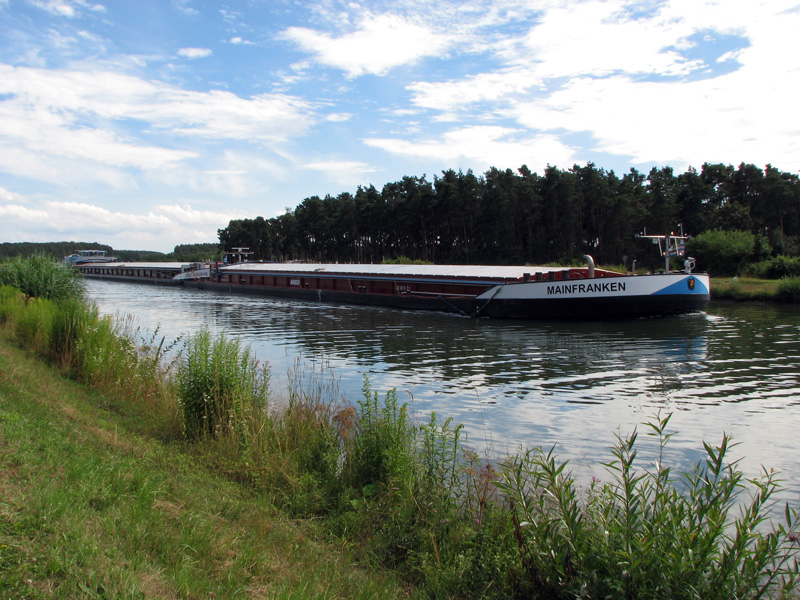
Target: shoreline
[[750, 289]]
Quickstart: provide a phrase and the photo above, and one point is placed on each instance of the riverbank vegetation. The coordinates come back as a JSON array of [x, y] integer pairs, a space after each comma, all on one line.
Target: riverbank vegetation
[[750, 289], [187, 474]]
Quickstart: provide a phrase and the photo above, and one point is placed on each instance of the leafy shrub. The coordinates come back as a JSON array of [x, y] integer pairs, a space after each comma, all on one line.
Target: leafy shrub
[[39, 276], [784, 266], [726, 252], [777, 267], [646, 534], [789, 289]]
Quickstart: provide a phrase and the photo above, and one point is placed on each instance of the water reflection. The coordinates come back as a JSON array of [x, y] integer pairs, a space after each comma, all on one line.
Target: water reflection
[[515, 383]]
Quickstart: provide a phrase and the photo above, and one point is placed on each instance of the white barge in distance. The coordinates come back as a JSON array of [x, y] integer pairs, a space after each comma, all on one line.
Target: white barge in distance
[[88, 256], [521, 292]]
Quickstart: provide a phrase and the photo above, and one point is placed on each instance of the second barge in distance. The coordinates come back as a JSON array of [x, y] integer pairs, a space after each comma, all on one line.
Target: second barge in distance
[[527, 292]]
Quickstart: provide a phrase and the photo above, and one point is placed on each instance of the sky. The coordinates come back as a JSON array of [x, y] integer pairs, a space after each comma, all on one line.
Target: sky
[[150, 123]]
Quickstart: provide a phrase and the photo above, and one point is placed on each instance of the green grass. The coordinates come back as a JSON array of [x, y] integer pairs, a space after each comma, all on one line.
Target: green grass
[[750, 289], [90, 508]]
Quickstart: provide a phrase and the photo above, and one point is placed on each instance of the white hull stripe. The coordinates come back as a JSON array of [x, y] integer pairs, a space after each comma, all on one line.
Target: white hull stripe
[[622, 287]]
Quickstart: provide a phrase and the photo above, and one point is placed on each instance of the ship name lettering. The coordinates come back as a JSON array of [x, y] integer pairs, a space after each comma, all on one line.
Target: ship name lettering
[[585, 288]]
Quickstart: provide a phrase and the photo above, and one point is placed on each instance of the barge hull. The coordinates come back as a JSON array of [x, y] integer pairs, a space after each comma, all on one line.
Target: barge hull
[[499, 292], [493, 302], [630, 307]]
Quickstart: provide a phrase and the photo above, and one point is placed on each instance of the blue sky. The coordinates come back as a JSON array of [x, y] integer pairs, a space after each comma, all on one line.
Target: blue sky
[[152, 123]]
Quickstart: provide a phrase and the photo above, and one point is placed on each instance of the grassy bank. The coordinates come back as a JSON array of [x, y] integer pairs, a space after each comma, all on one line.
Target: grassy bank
[[750, 289], [94, 505], [130, 477]]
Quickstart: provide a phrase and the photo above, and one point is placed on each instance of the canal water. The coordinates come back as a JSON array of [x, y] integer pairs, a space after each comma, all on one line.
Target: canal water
[[734, 369]]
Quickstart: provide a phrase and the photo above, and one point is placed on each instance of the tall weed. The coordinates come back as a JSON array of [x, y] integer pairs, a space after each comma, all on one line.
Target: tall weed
[[220, 385], [12, 303], [647, 534], [71, 320], [33, 325], [386, 441]]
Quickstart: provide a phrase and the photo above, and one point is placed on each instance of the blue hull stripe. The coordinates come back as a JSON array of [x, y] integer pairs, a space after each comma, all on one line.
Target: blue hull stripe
[[682, 288]]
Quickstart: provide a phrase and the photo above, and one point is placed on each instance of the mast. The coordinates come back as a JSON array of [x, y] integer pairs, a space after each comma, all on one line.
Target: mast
[[673, 245]]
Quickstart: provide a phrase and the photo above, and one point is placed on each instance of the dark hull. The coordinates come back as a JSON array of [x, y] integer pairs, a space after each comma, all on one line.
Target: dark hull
[[630, 307], [461, 305]]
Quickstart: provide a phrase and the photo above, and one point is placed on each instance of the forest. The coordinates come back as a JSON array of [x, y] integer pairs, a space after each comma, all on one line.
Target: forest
[[521, 217]]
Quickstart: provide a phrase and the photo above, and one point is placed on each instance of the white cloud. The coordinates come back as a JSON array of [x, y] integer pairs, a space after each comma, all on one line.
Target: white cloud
[[338, 117], [184, 7], [7, 196], [235, 175], [347, 172], [744, 115], [67, 8], [601, 38], [15, 212], [483, 87], [579, 39], [76, 124], [381, 43], [482, 147], [724, 119], [194, 52], [635, 82], [506, 82]]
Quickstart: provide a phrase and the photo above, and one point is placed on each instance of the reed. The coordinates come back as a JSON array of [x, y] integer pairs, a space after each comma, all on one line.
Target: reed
[[94, 350], [39, 276], [71, 320], [12, 304]]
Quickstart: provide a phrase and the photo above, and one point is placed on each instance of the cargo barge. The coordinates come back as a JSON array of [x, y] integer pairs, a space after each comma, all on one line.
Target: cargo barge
[[582, 292]]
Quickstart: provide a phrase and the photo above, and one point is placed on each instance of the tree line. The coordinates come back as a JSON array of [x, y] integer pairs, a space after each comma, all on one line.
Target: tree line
[[51, 249], [57, 250], [521, 217]]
